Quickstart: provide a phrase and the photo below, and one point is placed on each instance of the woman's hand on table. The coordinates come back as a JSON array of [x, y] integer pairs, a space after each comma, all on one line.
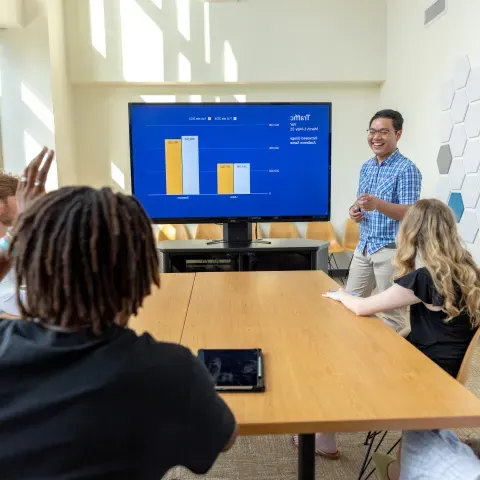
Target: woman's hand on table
[[335, 294]]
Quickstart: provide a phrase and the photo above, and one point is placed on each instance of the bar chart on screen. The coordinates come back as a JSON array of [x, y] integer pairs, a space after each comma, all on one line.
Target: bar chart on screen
[[182, 170]]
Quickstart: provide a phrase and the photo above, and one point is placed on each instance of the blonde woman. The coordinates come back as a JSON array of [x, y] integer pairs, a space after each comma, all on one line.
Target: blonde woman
[[443, 295]]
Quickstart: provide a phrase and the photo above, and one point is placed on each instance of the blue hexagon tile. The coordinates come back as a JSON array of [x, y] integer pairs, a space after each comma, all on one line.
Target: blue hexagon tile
[[455, 202], [468, 226]]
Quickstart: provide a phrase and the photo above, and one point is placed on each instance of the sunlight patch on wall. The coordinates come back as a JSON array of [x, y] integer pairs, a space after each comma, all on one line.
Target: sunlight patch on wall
[[230, 65], [117, 176], [195, 98], [142, 44], [217, 99], [158, 3], [240, 98], [183, 17], [206, 31], [38, 108], [184, 68], [159, 98], [97, 27]]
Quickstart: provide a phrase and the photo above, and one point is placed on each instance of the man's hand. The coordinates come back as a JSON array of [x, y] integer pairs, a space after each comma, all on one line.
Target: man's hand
[[368, 202], [32, 183], [355, 213]]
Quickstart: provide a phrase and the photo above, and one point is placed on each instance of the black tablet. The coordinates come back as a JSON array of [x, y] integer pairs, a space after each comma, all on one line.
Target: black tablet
[[235, 370]]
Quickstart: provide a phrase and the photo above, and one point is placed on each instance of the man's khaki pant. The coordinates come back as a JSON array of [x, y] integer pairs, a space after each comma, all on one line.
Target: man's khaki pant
[[368, 271]]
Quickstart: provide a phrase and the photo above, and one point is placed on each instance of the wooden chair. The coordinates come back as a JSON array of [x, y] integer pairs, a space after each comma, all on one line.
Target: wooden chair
[[173, 232], [283, 230], [324, 231], [208, 231], [462, 377], [257, 232], [351, 237]]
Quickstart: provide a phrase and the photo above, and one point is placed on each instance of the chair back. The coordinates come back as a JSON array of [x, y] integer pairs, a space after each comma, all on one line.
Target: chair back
[[283, 230], [467, 359], [325, 232], [208, 231], [257, 232], [351, 235], [173, 232]]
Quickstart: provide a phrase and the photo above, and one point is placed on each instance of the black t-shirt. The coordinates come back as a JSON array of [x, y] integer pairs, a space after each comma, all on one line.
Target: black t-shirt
[[443, 342], [119, 406]]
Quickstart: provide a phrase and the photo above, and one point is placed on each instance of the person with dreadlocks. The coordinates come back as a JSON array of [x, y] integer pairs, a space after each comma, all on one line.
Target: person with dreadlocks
[[81, 395]]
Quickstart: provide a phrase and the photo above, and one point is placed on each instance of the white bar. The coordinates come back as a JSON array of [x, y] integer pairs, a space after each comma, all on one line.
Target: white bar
[[190, 163], [241, 178]]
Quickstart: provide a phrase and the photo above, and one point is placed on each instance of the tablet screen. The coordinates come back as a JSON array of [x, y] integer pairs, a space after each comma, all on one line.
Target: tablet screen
[[232, 368]]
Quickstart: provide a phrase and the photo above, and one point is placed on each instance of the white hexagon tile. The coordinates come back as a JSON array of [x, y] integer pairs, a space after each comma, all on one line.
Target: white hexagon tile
[[472, 120], [461, 72], [447, 93], [459, 106], [456, 174], [468, 226], [471, 156], [458, 140], [471, 191], [446, 126], [443, 188], [473, 87]]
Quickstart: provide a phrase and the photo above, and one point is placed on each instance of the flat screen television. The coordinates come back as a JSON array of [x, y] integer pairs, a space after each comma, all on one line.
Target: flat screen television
[[231, 162]]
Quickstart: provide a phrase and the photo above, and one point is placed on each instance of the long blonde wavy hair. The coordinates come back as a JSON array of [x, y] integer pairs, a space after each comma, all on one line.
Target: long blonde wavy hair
[[429, 231]]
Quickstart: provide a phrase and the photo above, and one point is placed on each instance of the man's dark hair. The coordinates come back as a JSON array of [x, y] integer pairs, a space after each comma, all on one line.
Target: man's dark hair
[[396, 117], [84, 255]]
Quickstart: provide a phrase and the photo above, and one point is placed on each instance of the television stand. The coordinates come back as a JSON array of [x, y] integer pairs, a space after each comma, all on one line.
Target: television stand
[[277, 254], [238, 234]]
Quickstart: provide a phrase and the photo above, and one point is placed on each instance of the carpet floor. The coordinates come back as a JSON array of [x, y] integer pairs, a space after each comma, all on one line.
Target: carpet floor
[[275, 457]]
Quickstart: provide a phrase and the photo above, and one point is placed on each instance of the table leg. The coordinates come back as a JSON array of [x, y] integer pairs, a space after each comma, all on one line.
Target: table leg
[[306, 456]]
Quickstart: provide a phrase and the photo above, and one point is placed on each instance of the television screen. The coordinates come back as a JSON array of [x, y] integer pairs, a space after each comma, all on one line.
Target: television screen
[[225, 162]]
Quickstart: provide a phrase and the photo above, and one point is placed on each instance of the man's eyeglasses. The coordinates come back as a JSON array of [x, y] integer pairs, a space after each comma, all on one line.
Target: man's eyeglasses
[[382, 132]]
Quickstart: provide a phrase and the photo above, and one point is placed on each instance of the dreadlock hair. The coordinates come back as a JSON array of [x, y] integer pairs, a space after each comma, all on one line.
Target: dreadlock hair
[[84, 256]]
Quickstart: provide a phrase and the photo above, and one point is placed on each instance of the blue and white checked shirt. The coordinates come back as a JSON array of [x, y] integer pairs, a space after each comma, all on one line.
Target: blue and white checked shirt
[[395, 180]]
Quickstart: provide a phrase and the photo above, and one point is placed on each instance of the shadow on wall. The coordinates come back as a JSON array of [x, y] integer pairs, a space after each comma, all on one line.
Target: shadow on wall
[[138, 41], [130, 37]]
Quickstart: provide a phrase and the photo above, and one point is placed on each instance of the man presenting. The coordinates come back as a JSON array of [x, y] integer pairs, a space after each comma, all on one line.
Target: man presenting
[[389, 184]]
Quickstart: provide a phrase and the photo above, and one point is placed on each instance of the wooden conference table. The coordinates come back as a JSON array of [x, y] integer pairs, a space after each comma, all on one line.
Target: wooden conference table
[[326, 370]]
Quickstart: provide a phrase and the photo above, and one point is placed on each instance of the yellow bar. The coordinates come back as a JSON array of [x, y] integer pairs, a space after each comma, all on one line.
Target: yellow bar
[[225, 177], [173, 166]]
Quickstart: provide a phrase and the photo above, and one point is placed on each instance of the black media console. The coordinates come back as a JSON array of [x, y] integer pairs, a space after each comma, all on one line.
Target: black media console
[[276, 254]]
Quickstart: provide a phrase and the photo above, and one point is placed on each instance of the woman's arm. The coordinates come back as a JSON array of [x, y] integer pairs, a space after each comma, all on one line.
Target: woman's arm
[[395, 297]]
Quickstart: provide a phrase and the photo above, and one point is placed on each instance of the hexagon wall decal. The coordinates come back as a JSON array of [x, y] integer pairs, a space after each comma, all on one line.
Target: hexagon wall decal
[[459, 106], [444, 159], [462, 71], [455, 202], [472, 120], [446, 126], [471, 191], [468, 226], [443, 188], [471, 156], [473, 86], [458, 140], [446, 95], [456, 174]]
